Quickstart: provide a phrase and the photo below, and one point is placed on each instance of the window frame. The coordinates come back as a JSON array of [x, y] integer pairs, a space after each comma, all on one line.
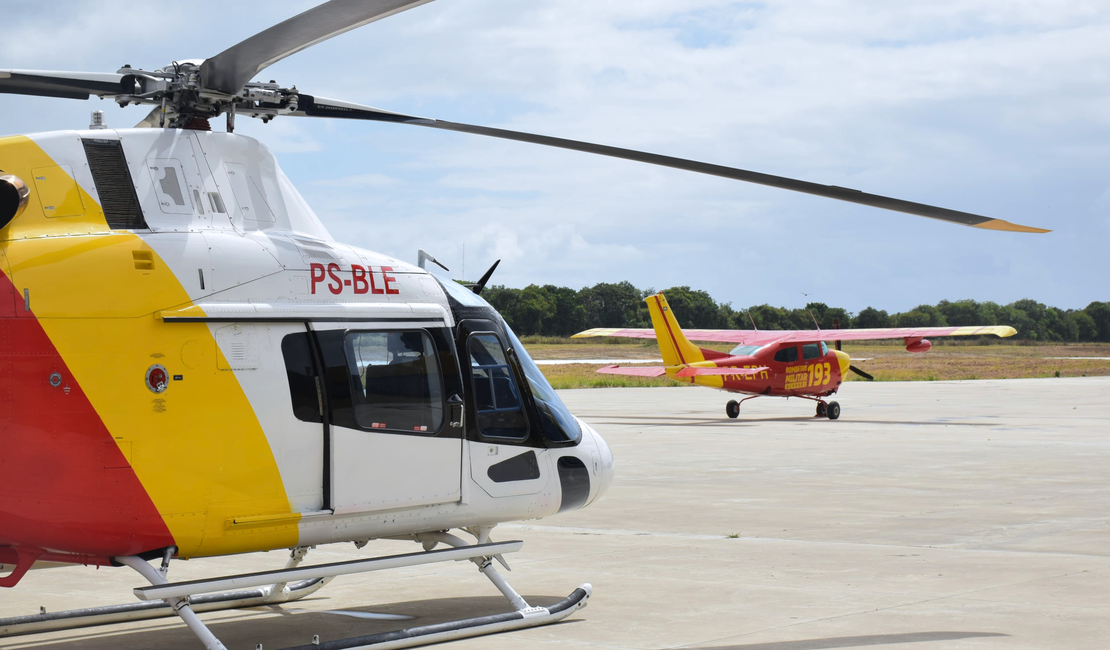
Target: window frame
[[354, 389], [525, 411], [797, 356]]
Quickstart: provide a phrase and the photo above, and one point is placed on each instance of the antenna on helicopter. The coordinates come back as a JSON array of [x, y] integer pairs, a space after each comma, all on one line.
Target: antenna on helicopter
[[481, 284], [423, 256]]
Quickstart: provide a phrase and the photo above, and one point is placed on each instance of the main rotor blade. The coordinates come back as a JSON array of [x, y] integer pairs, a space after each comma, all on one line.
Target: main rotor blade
[[320, 107], [68, 85], [229, 70]]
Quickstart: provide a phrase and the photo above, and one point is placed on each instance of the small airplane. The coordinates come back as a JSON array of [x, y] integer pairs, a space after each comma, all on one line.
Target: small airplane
[[191, 366], [776, 363]]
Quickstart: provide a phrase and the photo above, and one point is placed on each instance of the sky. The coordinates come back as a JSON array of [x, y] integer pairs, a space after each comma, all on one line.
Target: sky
[[999, 109]]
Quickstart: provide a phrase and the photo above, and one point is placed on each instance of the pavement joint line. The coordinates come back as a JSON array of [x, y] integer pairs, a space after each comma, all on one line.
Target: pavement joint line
[[635, 533], [877, 609]]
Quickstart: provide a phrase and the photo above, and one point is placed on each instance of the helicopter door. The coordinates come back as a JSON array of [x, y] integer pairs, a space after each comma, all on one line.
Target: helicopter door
[[392, 441], [507, 456]]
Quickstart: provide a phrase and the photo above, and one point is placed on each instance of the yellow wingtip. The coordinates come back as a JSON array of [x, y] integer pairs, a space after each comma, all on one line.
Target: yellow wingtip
[[999, 224], [596, 331]]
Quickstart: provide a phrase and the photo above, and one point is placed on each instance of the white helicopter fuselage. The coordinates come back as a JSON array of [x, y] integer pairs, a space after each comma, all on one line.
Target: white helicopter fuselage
[[232, 362]]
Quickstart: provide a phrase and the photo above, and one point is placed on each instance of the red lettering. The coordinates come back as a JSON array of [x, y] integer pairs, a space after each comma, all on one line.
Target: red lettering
[[373, 287], [386, 279], [316, 278], [332, 270], [359, 275]]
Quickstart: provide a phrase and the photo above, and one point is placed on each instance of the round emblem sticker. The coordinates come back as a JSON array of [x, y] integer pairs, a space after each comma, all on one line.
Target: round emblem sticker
[[157, 379]]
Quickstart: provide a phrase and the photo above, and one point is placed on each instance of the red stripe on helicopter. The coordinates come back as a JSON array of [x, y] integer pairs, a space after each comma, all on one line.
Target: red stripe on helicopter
[[363, 279], [65, 486]]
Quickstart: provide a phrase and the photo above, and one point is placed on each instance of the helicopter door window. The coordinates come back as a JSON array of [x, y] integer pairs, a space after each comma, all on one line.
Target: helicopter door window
[[397, 382], [811, 351], [304, 386], [496, 395], [787, 355]]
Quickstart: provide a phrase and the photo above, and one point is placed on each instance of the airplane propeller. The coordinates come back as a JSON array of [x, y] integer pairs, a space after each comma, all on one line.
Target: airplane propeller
[[861, 373], [186, 91], [868, 377]]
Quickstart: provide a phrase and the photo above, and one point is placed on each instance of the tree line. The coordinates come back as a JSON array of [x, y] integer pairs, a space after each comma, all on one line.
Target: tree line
[[549, 310]]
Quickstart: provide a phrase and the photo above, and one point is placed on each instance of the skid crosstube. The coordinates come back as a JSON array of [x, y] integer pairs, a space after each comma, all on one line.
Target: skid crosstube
[[192, 587]]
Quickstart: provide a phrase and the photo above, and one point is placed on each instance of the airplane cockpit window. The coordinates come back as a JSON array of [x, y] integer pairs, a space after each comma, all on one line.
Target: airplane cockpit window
[[811, 351], [786, 355], [745, 350], [496, 396], [397, 384], [558, 424], [824, 349]]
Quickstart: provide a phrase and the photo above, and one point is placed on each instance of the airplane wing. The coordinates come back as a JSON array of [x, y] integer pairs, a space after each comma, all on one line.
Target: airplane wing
[[751, 337], [743, 372], [765, 337], [635, 371]]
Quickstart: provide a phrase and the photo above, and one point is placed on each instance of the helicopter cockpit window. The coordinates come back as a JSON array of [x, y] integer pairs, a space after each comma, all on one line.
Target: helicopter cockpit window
[[496, 395], [558, 424], [397, 383], [786, 355], [811, 351]]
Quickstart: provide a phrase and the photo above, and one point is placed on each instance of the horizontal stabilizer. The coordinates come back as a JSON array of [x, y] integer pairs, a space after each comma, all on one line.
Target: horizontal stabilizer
[[742, 372], [635, 371]]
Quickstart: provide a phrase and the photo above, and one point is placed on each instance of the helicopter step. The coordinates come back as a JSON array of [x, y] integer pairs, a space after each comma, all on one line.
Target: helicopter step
[[93, 616], [273, 593]]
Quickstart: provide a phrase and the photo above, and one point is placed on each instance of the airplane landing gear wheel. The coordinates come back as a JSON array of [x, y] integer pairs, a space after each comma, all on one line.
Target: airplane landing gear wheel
[[833, 410], [732, 409], [821, 410]]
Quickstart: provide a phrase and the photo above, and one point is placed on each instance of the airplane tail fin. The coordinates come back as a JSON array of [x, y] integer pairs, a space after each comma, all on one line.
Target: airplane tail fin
[[673, 344]]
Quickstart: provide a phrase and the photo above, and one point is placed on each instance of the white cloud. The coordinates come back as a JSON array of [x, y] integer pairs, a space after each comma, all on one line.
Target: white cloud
[[994, 108]]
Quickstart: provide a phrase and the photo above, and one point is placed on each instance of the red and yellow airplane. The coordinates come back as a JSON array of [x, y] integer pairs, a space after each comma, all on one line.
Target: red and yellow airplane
[[780, 363]]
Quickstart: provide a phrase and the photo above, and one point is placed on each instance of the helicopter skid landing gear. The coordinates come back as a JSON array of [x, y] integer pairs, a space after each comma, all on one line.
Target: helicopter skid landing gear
[[163, 598]]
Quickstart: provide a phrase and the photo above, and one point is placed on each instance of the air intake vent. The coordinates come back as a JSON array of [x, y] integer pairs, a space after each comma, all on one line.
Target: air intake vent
[[113, 184]]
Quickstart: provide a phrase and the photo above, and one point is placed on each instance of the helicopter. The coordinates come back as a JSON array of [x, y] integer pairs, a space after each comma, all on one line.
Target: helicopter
[[193, 367]]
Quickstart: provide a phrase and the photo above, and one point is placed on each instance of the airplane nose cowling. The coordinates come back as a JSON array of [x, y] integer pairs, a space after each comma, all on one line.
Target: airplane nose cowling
[[845, 362]]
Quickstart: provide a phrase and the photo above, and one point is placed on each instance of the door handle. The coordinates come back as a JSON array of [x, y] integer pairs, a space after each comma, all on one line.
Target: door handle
[[457, 410]]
